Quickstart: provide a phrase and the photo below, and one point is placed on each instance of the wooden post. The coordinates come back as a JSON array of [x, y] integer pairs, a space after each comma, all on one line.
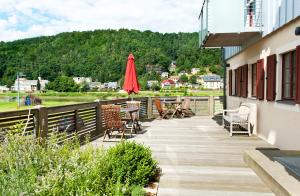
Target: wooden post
[[42, 124], [211, 105], [76, 119], [98, 119], [149, 108]]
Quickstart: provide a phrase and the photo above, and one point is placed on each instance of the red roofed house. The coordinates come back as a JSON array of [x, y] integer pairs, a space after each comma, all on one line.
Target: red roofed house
[[167, 83]]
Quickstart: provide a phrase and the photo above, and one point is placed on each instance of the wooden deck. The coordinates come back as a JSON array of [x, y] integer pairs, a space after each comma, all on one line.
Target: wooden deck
[[198, 157]]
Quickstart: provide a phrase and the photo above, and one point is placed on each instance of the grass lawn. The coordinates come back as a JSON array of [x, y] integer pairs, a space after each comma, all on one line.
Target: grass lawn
[[9, 106], [51, 98]]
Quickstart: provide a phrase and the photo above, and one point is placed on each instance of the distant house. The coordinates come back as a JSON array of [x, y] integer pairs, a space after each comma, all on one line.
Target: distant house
[[95, 85], [182, 73], [111, 85], [211, 81], [28, 85], [172, 67], [151, 83], [194, 71], [3, 89], [174, 78], [79, 80], [167, 83], [155, 68], [164, 74]]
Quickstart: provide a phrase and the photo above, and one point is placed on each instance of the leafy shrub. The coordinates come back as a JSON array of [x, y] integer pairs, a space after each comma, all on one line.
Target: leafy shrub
[[27, 168], [131, 163]]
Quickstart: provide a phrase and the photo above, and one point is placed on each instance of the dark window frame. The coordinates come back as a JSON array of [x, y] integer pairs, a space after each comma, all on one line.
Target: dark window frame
[[292, 67]]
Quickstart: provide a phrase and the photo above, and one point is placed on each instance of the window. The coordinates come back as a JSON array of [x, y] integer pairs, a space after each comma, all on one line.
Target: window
[[253, 80], [289, 76]]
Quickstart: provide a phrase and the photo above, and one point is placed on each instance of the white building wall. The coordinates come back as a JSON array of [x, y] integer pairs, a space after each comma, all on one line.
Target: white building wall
[[277, 122]]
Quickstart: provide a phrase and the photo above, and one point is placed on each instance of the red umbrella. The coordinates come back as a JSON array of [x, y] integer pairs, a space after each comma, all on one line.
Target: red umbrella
[[131, 84]]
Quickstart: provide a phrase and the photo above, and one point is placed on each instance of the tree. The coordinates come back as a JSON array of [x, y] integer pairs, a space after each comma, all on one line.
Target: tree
[[193, 79], [38, 85], [184, 78], [63, 84]]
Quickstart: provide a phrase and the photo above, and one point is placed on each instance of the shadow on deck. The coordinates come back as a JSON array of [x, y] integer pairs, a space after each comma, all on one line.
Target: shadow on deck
[[198, 157]]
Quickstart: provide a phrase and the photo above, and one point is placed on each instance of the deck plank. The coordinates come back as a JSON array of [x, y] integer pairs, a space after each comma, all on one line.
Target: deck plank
[[198, 157]]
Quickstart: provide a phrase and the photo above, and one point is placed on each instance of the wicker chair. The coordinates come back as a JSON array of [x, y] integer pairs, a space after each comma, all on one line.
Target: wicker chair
[[112, 120], [164, 114]]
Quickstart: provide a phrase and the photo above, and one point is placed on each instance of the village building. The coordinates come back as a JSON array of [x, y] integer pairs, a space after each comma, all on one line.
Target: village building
[[262, 60], [4, 89], [183, 73], [195, 71], [174, 78], [80, 80], [211, 81], [95, 85], [167, 83], [172, 67], [29, 85], [150, 83], [164, 74]]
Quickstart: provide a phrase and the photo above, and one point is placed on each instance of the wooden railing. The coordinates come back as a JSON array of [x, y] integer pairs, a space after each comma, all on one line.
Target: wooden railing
[[85, 119]]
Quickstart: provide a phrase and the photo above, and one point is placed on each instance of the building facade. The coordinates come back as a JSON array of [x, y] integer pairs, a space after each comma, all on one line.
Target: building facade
[[263, 64], [212, 82], [29, 85]]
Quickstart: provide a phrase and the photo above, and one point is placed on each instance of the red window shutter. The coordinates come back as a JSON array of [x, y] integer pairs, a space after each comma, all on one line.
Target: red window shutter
[[230, 83], [271, 75], [245, 81], [298, 75], [260, 82], [239, 81]]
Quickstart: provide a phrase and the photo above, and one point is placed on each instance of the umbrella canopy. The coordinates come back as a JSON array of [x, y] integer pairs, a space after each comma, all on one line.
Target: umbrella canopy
[[131, 84]]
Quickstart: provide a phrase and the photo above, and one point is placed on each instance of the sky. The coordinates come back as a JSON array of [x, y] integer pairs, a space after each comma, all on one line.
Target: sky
[[30, 18]]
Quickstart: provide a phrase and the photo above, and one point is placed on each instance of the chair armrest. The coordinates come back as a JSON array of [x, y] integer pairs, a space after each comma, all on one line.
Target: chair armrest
[[230, 111]]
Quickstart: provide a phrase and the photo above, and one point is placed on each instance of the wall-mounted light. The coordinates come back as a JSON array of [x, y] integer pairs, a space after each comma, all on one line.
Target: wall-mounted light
[[297, 31]]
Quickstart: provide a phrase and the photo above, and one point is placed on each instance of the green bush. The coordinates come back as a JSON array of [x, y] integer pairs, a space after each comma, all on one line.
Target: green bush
[[27, 168], [131, 163]]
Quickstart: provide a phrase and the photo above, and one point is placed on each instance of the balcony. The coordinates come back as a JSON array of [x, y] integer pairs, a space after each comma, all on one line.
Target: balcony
[[229, 23]]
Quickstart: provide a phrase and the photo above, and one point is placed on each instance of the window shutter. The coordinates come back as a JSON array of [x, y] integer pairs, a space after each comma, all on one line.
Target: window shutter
[[245, 81], [298, 75], [239, 81], [260, 84], [230, 83], [271, 75]]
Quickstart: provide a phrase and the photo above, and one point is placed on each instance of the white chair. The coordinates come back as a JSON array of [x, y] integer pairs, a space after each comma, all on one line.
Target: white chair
[[237, 117]]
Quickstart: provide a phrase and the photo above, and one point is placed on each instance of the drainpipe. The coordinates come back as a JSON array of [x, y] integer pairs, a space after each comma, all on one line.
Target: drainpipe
[[223, 62]]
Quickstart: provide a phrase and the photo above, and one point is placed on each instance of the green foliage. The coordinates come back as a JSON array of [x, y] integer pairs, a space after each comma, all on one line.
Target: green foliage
[[184, 78], [100, 54], [63, 84], [27, 168], [131, 163], [193, 79]]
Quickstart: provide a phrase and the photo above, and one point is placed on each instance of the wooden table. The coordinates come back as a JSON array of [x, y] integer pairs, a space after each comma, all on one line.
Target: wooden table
[[175, 106], [134, 122]]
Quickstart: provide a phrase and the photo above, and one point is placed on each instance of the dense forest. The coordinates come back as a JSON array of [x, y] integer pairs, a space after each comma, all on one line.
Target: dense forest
[[101, 54]]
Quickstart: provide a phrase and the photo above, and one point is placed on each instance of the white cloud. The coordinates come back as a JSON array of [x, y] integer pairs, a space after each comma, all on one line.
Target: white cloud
[[29, 18]]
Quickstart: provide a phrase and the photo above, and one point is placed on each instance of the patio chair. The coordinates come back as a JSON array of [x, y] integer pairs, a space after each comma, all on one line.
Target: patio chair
[[237, 117], [164, 114], [112, 120], [135, 116], [185, 108]]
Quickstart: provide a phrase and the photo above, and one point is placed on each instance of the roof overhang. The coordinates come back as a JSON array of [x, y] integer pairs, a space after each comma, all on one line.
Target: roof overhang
[[228, 39]]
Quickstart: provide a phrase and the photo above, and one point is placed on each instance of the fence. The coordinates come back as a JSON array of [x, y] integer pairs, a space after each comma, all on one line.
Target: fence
[[85, 119]]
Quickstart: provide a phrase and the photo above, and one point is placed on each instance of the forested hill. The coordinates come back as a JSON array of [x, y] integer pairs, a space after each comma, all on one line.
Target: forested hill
[[101, 54]]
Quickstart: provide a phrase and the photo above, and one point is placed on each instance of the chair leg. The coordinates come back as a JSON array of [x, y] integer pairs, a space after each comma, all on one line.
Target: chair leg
[[231, 129], [105, 133], [123, 132], [249, 129]]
